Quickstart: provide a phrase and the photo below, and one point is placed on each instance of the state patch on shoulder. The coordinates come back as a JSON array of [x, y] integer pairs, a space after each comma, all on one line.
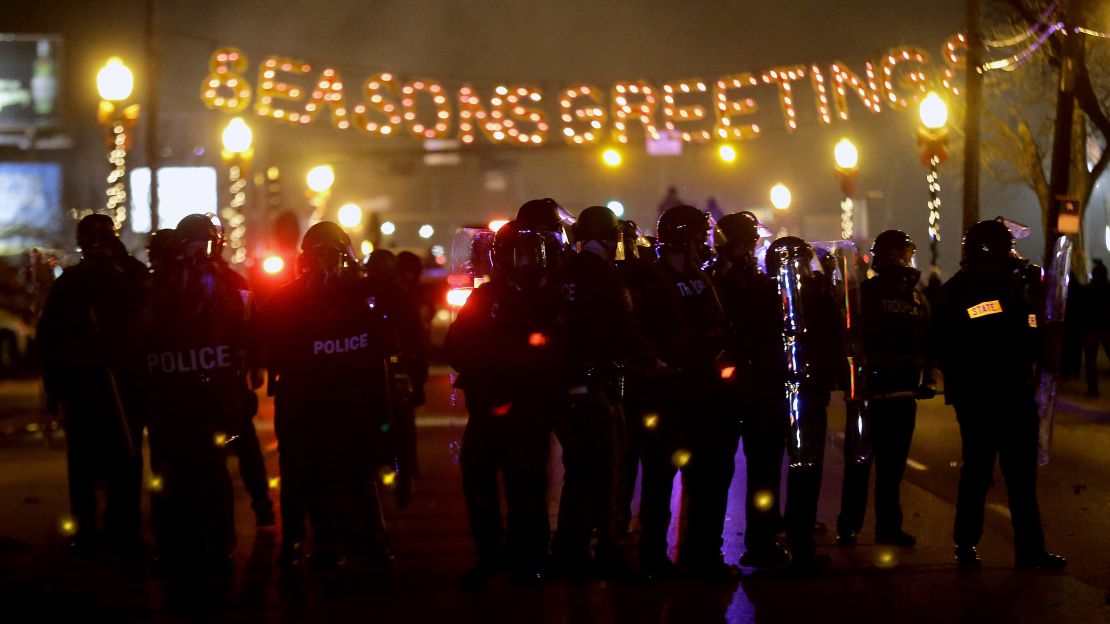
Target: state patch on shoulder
[[985, 309], [1033, 321]]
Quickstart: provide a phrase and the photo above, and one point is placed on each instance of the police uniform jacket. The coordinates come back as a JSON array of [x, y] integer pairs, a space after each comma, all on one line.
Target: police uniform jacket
[[508, 346], [197, 340], [328, 343], [987, 336], [751, 301], [895, 329], [89, 325], [685, 322], [601, 329]]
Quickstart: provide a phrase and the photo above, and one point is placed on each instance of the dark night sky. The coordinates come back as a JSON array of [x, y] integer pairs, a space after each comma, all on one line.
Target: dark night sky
[[546, 43]]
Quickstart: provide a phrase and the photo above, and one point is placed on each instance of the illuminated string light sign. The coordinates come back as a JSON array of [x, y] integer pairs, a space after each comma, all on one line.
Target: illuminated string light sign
[[694, 110]]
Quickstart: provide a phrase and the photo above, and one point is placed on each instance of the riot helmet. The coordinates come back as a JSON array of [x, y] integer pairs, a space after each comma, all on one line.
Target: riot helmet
[[598, 226], [542, 214], [201, 237], [96, 236], [597, 223], [988, 244], [736, 239], [381, 264], [522, 255], [409, 268], [787, 250], [893, 254], [163, 249], [739, 227], [686, 230], [547, 217], [326, 253]]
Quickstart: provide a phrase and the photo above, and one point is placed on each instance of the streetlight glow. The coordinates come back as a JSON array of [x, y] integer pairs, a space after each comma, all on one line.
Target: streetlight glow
[[497, 224], [933, 111], [350, 215], [611, 157], [388, 228], [115, 81], [846, 155], [426, 231], [320, 178], [616, 207], [237, 136], [727, 153], [780, 196]]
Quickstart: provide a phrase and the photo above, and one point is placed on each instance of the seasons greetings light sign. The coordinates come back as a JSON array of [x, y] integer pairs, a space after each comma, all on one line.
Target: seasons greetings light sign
[[696, 110]]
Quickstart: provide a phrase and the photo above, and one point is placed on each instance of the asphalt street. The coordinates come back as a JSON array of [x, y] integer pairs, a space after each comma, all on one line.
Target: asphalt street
[[39, 582]]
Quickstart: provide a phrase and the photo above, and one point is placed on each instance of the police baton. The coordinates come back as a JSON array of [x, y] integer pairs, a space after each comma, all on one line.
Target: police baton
[[121, 414]]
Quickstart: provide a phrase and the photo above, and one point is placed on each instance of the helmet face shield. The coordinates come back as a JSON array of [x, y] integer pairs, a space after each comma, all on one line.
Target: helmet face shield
[[330, 261], [523, 256], [632, 243], [201, 237], [529, 251], [200, 250], [326, 253]]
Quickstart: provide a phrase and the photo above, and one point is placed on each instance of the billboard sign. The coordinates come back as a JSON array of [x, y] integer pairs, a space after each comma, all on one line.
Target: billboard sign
[[182, 191], [30, 79], [30, 205]]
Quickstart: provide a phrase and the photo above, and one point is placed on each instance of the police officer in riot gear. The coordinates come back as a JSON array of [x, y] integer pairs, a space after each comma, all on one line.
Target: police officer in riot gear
[[692, 430], [818, 366], [635, 263], [895, 324], [201, 230], [327, 348], [196, 343], [603, 342], [403, 315], [92, 373], [163, 251], [988, 345], [506, 346], [409, 270], [751, 300]]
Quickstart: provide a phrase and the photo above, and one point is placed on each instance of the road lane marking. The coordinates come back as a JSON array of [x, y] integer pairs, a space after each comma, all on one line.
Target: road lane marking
[[916, 465], [440, 421], [1002, 509]]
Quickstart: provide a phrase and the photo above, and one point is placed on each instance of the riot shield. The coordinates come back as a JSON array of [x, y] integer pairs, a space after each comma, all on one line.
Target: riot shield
[[789, 262], [841, 263], [1055, 308], [471, 254], [471, 264]]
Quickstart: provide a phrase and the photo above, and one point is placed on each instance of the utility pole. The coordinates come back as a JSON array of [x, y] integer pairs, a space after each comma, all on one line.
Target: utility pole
[[1060, 169], [974, 96], [153, 70]]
